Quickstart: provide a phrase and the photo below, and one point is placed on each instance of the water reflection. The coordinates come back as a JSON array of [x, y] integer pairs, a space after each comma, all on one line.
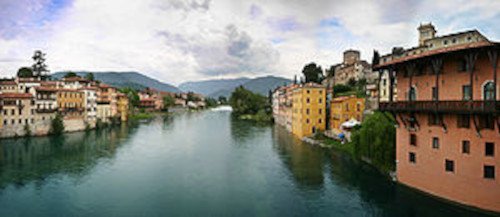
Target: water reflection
[[304, 162], [27, 160]]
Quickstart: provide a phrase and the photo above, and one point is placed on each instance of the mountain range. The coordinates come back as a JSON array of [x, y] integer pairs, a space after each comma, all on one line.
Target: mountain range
[[211, 88], [126, 79], [224, 87]]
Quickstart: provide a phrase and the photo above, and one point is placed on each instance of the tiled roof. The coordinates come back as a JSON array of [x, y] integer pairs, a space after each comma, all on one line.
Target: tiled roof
[[16, 96], [46, 89], [444, 50], [8, 82]]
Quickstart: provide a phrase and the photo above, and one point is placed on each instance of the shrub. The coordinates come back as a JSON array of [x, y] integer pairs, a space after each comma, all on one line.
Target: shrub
[[57, 125]]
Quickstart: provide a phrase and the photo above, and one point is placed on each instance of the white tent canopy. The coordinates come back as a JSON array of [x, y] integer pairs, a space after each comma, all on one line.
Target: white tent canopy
[[350, 124]]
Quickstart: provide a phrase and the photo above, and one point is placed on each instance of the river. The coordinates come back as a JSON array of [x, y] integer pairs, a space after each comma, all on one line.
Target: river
[[196, 164]]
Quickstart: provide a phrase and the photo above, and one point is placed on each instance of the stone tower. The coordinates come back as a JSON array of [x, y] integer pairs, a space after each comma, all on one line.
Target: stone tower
[[426, 31]]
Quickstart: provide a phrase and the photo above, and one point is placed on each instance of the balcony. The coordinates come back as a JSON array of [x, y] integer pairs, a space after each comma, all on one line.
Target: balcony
[[477, 107], [46, 110]]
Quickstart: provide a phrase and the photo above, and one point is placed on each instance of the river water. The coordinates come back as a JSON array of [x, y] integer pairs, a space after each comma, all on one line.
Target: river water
[[196, 164]]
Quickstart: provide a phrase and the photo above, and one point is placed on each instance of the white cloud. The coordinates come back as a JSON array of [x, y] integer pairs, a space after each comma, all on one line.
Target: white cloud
[[180, 40]]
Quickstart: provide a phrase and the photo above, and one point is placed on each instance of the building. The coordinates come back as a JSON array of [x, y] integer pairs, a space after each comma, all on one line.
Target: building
[[45, 102], [352, 68], [385, 85], [70, 103], [345, 108], [308, 109], [18, 111], [8, 86], [90, 104], [123, 106], [447, 112]]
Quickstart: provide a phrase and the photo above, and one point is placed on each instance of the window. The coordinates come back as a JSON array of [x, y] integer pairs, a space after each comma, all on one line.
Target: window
[[449, 165], [462, 65], [434, 93], [466, 92], [435, 143], [445, 42], [412, 157], [466, 147], [463, 121], [413, 139], [486, 122], [358, 107], [489, 91], [320, 100], [319, 120], [454, 40], [307, 100], [307, 111], [489, 172], [320, 111], [308, 91], [307, 121], [435, 119], [489, 149], [412, 94]]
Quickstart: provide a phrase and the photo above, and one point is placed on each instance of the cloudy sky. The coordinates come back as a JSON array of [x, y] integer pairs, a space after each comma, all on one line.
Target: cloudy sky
[[186, 40]]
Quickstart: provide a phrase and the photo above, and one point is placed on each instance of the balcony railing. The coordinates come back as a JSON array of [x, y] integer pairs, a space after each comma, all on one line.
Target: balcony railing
[[489, 107], [46, 110]]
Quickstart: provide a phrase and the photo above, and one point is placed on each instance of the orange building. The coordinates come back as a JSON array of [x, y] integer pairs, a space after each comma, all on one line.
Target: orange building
[[345, 108], [70, 103], [447, 111]]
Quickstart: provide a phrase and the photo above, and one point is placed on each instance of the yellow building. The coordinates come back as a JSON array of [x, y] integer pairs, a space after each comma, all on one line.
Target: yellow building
[[308, 109], [70, 103], [345, 108], [123, 107]]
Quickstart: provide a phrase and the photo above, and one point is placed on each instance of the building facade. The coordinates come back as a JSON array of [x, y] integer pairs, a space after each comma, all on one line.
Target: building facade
[[308, 109], [18, 111], [345, 108], [447, 110], [352, 68], [70, 103]]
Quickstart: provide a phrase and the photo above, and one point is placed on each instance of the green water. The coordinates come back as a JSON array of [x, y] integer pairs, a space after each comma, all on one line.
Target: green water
[[196, 164]]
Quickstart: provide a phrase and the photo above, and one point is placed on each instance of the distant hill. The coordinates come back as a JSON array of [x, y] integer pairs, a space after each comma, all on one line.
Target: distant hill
[[210, 87], [224, 87], [126, 79]]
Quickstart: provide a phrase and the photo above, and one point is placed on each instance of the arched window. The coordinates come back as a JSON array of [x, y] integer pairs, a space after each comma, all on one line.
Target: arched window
[[489, 91]]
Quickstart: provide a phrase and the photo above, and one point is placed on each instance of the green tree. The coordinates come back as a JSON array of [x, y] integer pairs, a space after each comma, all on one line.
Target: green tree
[[27, 130], [376, 140], [192, 97], [340, 88], [25, 72], [39, 67], [210, 102], [70, 75], [245, 102], [376, 58], [57, 125], [168, 101], [313, 73], [132, 95], [351, 82], [222, 100], [90, 76]]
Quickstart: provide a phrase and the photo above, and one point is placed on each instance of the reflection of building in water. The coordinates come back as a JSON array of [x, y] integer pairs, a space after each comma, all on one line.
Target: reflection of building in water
[[304, 162], [26, 160]]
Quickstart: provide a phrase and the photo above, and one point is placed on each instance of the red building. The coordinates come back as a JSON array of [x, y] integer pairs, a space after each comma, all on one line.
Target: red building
[[447, 112]]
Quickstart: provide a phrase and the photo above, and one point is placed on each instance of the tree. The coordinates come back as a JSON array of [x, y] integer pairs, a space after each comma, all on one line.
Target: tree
[[192, 97], [376, 58], [245, 102], [39, 67], [351, 82], [57, 125], [340, 88], [25, 72], [376, 140], [132, 95], [90, 76], [70, 75], [313, 73], [222, 100], [210, 102], [168, 101]]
